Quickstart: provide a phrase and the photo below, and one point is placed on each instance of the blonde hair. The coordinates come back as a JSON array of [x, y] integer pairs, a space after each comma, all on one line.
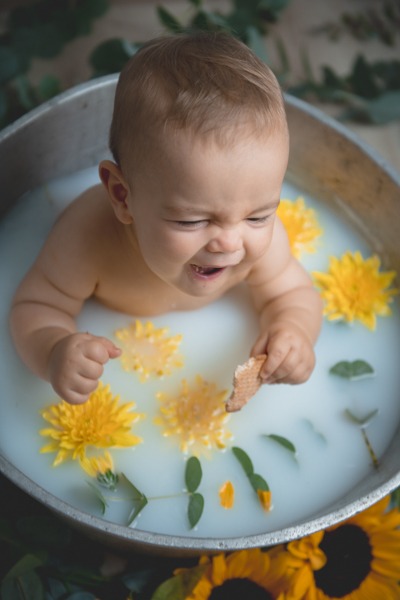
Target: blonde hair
[[204, 83]]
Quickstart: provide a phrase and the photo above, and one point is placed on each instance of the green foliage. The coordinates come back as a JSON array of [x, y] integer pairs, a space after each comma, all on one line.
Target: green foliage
[[282, 441], [369, 93], [193, 476], [39, 29], [356, 369], [256, 481]]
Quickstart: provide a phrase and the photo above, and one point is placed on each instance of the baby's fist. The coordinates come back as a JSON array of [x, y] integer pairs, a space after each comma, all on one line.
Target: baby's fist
[[76, 364]]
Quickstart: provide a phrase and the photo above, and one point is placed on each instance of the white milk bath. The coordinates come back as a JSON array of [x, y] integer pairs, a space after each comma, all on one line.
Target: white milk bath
[[331, 454]]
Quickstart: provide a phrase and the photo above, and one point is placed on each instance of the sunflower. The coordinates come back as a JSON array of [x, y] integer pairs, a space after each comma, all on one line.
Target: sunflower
[[196, 416], [101, 422], [301, 225], [354, 289], [254, 574], [149, 351], [354, 560]]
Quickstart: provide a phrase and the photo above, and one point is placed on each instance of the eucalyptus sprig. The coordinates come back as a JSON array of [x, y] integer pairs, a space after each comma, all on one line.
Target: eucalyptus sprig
[[193, 476], [282, 441], [363, 423], [356, 369], [257, 482]]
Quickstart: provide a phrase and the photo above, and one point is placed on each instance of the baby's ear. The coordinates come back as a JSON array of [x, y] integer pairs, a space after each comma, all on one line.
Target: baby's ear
[[117, 188]]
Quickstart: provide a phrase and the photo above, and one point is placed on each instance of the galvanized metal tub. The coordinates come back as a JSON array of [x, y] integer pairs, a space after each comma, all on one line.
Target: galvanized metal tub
[[70, 133]]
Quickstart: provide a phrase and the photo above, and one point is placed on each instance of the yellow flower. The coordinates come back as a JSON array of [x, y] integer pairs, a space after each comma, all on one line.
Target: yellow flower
[[101, 422], [97, 465], [301, 225], [354, 560], [196, 416], [244, 574], [227, 495], [149, 351], [353, 289]]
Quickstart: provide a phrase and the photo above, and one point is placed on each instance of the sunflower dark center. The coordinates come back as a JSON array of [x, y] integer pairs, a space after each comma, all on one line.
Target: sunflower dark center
[[238, 589], [349, 556]]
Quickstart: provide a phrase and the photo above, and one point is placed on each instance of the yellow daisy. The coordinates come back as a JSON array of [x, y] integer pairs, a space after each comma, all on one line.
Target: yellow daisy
[[101, 422], [254, 574], [354, 289], [196, 416], [354, 560], [301, 225], [148, 351]]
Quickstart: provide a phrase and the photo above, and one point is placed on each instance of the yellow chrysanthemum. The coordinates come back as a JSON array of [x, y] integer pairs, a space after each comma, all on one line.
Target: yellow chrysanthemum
[[354, 560], [97, 465], [101, 422], [354, 289], [227, 495], [196, 416], [244, 574], [149, 351], [301, 225]]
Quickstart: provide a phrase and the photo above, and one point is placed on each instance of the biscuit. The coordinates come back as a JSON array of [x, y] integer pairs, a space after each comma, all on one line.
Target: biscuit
[[246, 382]]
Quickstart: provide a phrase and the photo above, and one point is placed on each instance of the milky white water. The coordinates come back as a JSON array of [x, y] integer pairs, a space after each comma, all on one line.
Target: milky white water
[[331, 455]]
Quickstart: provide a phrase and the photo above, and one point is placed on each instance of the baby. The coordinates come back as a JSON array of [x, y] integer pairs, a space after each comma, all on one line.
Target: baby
[[184, 212]]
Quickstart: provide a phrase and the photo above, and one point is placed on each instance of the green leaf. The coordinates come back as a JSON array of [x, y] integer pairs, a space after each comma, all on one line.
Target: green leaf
[[49, 86], [22, 582], [244, 460], [358, 369], [193, 474], [282, 441], [195, 508], [169, 21], [361, 421], [180, 586], [258, 483], [99, 496], [136, 496], [111, 56]]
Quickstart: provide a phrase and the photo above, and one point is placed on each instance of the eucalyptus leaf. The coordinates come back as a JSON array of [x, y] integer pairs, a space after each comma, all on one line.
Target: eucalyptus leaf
[[193, 474], [137, 508], [180, 586], [361, 421], [258, 483], [287, 444], [169, 21], [195, 508], [357, 369], [244, 460]]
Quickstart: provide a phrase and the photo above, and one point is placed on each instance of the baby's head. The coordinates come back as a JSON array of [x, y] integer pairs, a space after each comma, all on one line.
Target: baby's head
[[209, 85]]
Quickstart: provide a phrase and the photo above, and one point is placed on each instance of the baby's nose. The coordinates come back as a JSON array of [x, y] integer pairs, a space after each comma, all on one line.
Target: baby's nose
[[227, 240]]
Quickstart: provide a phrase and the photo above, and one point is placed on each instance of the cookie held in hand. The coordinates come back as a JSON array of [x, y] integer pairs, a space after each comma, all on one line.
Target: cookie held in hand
[[246, 382]]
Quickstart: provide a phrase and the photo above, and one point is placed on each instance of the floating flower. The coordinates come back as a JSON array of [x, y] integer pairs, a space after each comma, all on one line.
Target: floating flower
[[101, 422], [244, 574], [301, 225], [354, 289], [227, 495], [149, 351], [196, 416], [354, 560], [98, 466]]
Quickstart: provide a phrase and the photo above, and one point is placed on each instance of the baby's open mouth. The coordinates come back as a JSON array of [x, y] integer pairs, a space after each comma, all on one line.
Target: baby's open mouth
[[206, 271]]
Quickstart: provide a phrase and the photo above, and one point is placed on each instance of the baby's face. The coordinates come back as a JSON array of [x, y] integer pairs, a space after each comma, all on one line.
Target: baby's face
[[203, 214]]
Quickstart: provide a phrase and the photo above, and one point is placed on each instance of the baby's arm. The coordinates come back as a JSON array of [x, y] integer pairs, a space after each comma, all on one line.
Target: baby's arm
[[290, 312], [44, 308]]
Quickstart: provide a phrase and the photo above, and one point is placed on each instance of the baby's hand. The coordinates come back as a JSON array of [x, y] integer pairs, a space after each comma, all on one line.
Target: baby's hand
[[290, 354], [76, 364]]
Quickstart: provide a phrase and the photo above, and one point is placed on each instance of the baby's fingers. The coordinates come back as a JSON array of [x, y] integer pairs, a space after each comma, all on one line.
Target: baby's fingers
[[279, 360], [100, 350]]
